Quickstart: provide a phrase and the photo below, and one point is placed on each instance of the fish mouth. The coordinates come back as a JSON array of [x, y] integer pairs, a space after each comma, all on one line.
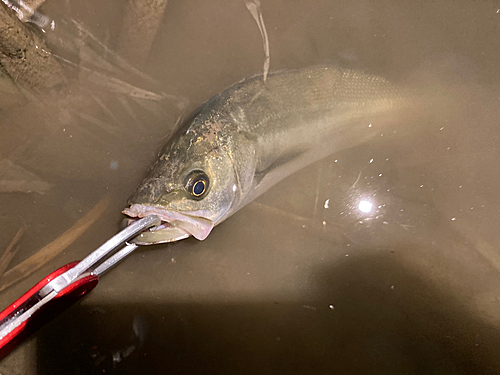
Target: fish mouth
[[175, 225]]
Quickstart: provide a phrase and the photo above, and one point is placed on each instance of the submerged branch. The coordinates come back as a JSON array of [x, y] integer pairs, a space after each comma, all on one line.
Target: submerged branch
[[26, 11], [24, 55], [140, 25], [54, 248]]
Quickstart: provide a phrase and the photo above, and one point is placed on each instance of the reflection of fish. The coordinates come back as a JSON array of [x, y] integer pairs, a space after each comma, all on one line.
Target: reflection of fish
[[250, 136]]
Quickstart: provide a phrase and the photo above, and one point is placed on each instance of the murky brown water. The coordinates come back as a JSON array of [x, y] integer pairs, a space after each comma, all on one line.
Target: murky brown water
[[302, 280]]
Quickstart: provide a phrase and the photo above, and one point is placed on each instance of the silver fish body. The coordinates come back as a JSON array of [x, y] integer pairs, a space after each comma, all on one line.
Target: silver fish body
[[247, 138]]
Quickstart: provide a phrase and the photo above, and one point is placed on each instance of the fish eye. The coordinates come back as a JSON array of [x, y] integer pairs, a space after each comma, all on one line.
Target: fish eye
[[197, 183]]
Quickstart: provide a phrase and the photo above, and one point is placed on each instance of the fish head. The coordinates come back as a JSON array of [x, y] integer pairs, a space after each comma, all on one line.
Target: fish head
[[191, 187]]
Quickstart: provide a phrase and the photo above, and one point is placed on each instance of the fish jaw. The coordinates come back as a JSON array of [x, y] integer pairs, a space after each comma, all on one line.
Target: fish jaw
[[176, 225], [162, 235]]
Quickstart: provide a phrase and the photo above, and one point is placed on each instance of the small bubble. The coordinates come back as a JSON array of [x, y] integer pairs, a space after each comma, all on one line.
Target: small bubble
[[331, 307], [371, 161], [453, 218], [327, 203]]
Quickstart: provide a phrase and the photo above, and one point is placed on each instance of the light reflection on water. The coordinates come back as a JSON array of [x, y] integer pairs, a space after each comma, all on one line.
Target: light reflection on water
[[365, 206]]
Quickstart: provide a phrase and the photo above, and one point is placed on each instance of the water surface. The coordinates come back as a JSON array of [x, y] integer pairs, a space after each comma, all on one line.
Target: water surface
[[382, 258]]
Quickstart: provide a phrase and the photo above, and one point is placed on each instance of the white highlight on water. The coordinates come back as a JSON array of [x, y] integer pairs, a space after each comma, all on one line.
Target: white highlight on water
[[365, 206]]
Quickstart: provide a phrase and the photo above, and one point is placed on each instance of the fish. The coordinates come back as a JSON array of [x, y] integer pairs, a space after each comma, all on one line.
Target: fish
[[247, 138]]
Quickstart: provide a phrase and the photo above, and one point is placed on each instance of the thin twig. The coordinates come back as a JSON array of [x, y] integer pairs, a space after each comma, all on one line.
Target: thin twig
[[10, 251], [54, 248], [14, 178], [118, 86]]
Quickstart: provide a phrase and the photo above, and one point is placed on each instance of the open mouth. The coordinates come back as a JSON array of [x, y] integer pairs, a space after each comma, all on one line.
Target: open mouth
[[175, 225]]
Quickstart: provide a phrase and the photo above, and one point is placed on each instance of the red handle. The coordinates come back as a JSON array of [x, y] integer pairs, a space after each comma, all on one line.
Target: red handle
[[47, 312]]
